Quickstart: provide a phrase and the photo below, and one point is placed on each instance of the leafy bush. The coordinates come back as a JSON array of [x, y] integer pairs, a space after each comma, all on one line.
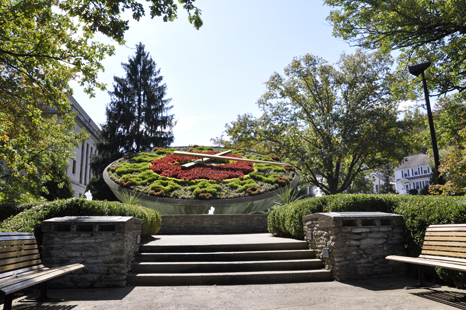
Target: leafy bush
[[287, 220], [30, 220], [418, 213], [11, 209]]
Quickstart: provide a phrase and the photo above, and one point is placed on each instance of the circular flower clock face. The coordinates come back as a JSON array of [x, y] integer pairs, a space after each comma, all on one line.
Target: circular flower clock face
[[201, 173]]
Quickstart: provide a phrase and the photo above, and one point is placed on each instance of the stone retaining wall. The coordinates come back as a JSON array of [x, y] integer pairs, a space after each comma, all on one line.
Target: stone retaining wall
[[354, 244], [105, 245], [198, 224]]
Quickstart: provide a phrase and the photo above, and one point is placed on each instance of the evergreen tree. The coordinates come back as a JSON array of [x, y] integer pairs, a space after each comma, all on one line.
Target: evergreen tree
[[137, 118]]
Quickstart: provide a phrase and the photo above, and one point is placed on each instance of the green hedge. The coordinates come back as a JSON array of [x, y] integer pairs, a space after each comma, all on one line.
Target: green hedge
[[418, 213], [11, 209], [30, 220], [287, 220]]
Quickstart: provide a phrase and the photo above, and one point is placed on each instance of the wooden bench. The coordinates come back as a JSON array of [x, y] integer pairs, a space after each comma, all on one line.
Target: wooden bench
[[21, 267], [444, 246]]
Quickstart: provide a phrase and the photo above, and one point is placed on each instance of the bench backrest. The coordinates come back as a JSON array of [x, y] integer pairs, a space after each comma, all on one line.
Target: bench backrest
[[18, 250], [446, 242]]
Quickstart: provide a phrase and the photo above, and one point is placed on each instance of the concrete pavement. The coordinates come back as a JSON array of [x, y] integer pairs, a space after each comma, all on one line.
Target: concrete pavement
[[387, 293]]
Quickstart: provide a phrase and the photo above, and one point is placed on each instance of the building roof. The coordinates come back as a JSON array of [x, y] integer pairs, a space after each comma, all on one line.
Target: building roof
[[382, 176], [413, 161]]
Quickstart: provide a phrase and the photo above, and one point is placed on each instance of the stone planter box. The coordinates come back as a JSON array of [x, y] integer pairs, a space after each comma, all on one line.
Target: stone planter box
[[104, 244], [354, 244]]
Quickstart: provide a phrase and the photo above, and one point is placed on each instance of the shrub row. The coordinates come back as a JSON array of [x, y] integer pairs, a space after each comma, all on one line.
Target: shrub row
[[30, 220], [418, 212]]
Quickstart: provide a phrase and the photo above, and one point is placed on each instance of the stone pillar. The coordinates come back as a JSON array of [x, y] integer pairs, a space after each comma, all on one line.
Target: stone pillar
[[104, 244], [354, 244]]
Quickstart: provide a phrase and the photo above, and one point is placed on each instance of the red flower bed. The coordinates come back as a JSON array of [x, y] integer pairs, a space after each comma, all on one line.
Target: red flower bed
[[166, 166]]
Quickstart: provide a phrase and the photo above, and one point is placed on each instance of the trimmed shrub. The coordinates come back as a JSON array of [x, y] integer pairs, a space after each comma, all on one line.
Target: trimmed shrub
[[11, 209], [418, 213], [30, 220]]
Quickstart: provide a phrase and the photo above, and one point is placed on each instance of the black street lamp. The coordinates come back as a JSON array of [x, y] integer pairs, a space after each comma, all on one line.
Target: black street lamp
[[417, 70]]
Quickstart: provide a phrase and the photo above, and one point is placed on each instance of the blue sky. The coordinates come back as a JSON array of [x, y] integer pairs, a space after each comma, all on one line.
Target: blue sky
[[218, 72]]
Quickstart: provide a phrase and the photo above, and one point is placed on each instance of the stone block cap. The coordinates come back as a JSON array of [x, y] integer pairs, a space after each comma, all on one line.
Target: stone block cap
[[92, 219]]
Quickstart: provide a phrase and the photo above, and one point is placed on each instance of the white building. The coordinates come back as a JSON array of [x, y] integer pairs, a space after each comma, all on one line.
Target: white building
[[413, 173], [378, 180], [79, 169]]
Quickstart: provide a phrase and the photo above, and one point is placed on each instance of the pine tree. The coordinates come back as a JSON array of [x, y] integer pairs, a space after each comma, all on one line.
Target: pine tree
[[137, 117]]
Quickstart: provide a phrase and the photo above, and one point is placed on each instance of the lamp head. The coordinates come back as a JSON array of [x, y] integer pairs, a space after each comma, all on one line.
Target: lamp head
[[418, 69]]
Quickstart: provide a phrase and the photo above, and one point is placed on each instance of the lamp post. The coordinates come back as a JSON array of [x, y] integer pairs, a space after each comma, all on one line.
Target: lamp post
[[417, 70]]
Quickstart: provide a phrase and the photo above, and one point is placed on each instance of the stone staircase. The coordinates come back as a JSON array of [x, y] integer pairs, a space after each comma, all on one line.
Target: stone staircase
[[227, 264]]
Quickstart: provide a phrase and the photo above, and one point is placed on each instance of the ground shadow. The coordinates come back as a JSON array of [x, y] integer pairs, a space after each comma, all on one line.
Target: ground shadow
[[382, 284], [448, 298], [43, 307]]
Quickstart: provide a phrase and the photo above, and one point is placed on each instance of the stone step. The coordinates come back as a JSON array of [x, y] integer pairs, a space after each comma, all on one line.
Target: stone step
[[230, 278], [294, 245], [236, 266], [225, 256]]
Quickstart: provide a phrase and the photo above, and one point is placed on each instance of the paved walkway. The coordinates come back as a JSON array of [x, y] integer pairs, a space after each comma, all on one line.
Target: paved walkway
[[365, 294]]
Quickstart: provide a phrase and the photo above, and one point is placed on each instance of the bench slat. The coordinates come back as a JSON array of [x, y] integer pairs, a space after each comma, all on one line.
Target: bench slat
[[443, 253], [20, 271], [449, 228], [426, 262], [433, 238], [446, 225], [18, 248], [19, 259], [458, 244], [18, 237], [21, 277], [17, 253], [17, 242], [444, 248], [20, 265], [443, 258], [447, 233], [41, 278]]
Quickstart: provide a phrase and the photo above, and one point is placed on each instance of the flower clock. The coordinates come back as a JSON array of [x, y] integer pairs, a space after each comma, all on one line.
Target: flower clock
[[181, 176]]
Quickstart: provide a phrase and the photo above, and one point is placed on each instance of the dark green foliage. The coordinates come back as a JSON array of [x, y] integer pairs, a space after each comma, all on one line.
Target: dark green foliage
[[30, 220], [287, 220], [138, 118], [418, 213], [9, 209], [137, 115], [59, 187]]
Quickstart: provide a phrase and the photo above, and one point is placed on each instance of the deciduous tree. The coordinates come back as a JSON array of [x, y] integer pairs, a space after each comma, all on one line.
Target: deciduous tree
[[44, 44], [333, 123], [421, 30]]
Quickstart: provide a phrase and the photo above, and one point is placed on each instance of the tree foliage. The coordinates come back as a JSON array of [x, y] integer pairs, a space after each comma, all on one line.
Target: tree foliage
[[45, 44], [332, 123], [137, 116], [453, 169], [30, 153], [421, 30]]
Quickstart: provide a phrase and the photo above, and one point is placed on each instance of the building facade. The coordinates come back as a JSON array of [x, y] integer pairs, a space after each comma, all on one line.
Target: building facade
[[79, 170], [378, 180], [413, 173]]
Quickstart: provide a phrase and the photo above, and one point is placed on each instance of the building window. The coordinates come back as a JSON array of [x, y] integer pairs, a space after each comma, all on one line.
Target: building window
[[73, 167]]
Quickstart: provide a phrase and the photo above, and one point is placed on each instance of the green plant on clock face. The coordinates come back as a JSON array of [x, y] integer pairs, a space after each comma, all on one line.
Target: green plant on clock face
[[161, 175]]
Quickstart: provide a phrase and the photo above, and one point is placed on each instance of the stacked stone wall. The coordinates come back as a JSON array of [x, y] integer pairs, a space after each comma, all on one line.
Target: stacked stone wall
[[198, 224], [355, 247], [105, 246]]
